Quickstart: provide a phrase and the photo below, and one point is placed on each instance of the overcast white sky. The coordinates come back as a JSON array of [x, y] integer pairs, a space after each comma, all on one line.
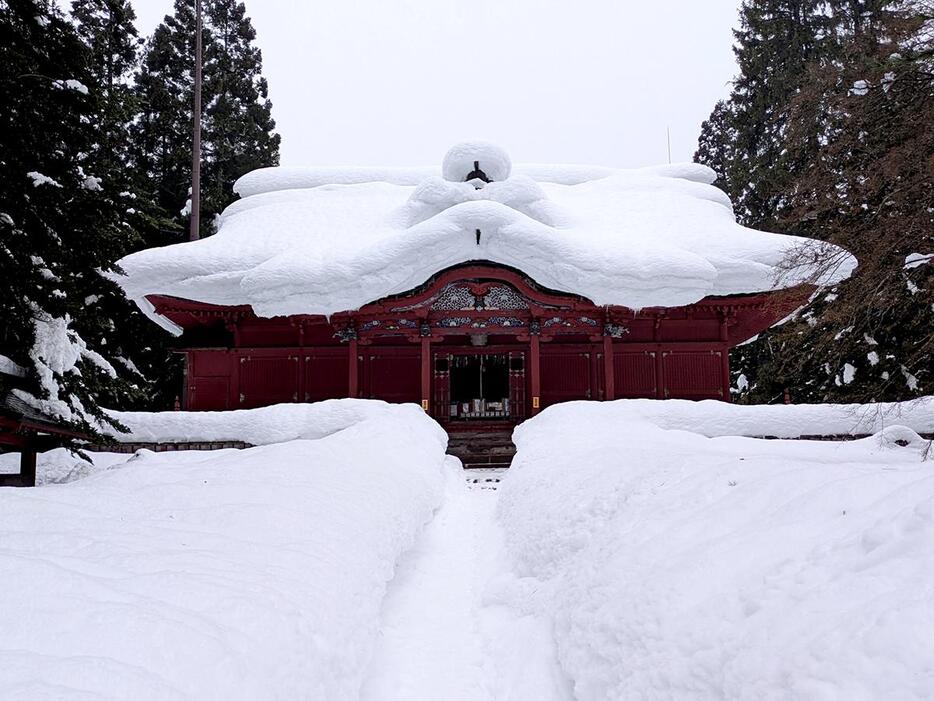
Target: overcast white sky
[[396, 82]]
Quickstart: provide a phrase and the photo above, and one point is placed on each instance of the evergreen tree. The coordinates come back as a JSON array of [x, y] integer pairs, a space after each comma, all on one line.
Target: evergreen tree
[[239, 134], [161, 135], [775, 42], [237, 127], [871, 190], [60, 218], [855, 169], [107, 30], [716, 142]]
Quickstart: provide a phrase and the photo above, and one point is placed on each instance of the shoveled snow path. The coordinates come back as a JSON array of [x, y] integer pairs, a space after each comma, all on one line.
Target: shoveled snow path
[[448, 629]]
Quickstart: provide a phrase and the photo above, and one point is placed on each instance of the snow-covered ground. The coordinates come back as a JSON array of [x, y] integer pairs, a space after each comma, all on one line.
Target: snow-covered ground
[[674, 565], [634, 550], [455, 625], [231, 575], [60, 465]]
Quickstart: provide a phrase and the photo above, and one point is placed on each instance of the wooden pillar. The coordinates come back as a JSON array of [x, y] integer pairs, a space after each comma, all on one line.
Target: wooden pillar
[[426, 372], [353, 380], [609, 379], [27, 467], [659, 373], [535, 372]]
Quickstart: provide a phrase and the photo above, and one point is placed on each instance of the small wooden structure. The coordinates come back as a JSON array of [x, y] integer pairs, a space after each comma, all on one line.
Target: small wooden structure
[[479, 345], [27, 431]]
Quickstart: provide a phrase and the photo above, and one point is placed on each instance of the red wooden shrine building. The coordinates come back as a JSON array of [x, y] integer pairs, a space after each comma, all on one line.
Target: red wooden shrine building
[[470, 294], [478, 343]]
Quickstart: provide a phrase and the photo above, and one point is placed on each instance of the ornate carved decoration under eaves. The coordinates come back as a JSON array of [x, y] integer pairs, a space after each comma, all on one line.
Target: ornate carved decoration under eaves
[[472, 296]]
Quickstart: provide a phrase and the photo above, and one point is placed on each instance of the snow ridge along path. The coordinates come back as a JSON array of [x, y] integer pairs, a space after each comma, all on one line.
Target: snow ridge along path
[[456, 624]]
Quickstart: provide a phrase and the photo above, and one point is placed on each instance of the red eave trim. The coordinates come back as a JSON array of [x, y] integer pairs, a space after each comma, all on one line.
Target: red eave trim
[[183, 311]]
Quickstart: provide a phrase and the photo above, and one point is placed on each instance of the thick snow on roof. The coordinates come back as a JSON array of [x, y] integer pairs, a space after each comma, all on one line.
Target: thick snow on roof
[[323, 240]]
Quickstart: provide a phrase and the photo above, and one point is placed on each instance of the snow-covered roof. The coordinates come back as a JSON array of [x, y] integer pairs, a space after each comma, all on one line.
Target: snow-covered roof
[[323, 240]]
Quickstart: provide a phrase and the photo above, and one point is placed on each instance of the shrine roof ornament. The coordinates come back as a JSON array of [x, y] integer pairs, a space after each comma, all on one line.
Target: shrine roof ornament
[[325, 240], [465, 160]]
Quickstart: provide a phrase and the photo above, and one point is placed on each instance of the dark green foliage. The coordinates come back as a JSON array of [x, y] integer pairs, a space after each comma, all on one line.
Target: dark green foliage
[[237, 126], [161, 134], [62, 217], [111, 162], [238, 134], [742, 140], [716, 143], [106, 28], [855, 167]]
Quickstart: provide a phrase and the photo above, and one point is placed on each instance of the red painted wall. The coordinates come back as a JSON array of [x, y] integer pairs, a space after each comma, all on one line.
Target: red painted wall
[[657, 353]]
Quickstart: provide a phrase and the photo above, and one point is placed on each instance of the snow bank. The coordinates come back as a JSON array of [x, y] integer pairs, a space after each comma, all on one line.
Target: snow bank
[[263, 426], [713, 418], [60, 465], [680, 566], [286, 422], [241, 575], [328, 240]]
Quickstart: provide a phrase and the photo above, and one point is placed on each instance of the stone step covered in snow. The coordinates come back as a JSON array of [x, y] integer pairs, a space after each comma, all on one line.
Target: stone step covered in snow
[[479, 448]]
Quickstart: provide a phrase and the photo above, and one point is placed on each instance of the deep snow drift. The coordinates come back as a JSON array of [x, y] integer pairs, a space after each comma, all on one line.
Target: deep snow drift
[[714, 418], [320, 241], [232, 575], [262, 426], [680, 566], [630, 557]]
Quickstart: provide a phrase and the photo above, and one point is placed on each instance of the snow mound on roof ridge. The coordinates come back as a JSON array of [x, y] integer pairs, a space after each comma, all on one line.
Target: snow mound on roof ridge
[[460, 161], [278, 178], [521, 193]]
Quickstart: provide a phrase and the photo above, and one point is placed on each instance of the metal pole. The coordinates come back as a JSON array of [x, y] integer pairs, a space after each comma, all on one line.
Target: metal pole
[[196, 136]]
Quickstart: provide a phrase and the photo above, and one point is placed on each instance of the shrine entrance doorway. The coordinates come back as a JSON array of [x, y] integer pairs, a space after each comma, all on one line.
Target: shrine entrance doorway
[[479, 386]]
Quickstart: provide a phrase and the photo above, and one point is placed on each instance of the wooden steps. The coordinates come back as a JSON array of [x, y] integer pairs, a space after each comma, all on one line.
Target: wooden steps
[[478, 449]]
